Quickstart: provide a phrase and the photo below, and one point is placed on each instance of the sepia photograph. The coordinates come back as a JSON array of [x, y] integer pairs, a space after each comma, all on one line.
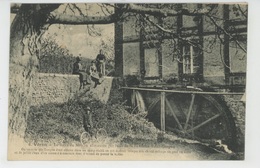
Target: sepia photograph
[[127, 81]]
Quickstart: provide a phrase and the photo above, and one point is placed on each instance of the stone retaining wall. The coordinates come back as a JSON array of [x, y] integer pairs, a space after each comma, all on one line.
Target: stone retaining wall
[[54, 88]]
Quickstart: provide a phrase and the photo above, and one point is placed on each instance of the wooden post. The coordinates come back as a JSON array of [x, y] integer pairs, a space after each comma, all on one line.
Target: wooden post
[[201, 43], [191, 59], [180, 46], [189, 112], [133, 100], [160, 60], [163, 111], [159, 48], [119, 62], [226, 44], [142, 59], [183, 64]]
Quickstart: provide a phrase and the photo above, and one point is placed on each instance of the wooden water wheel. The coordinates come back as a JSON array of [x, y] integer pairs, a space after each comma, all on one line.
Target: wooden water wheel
[[202, 117]]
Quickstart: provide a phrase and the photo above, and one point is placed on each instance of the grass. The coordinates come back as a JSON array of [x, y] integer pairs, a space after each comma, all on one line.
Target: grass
[[62, 124]]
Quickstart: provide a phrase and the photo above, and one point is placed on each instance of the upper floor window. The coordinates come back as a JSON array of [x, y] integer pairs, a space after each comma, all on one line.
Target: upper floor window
[[190, 59]]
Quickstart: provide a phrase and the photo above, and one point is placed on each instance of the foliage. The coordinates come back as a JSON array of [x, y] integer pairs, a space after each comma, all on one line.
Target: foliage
[[62, 124], [131, 80], [107, 44], [53, 58], [170, 79]]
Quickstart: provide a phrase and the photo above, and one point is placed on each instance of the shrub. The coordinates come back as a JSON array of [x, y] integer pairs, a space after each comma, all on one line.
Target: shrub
[[57, 124]]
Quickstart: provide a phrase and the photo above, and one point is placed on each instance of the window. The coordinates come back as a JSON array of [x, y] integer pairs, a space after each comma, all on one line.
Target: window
[[190, 59]]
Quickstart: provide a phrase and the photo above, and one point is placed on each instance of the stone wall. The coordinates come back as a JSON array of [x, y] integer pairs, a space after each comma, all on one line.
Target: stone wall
[[59, 88], [53, 88]]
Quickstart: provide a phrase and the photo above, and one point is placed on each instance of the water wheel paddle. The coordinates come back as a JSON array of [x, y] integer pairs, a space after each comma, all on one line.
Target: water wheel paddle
[[195, 116]]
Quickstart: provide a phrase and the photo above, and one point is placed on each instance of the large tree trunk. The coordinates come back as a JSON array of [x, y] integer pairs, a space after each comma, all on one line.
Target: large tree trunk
[[26, 30]]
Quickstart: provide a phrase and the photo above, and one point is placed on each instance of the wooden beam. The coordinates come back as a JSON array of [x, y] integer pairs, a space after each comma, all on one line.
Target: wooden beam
[[131, 39], [226, 44], [179, 32], [189, 112], [160, 59], [203, 123], [163, 111], [237, 22], [191, 59], [142, 59], [201, 43], [119, 62], [173, 114], [184, 91], [159, 49]]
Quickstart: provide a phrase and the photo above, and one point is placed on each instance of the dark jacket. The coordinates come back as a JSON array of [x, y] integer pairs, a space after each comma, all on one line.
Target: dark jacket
[[100, 58], [87, 121], [75, 68]]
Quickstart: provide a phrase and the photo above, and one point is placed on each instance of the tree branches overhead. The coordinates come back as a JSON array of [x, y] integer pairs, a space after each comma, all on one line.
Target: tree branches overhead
[[58, 17], [102, 13], [164, 12]]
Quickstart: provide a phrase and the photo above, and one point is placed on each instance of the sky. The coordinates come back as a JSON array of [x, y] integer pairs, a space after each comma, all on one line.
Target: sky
[[77, 39]]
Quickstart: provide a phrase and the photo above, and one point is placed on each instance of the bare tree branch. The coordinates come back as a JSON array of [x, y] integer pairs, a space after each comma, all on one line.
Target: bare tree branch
[[71, 9], [153, 11], [107, 9], [244, 13], [164, 12], [226, 33], [104, 9], [57, 18], [78, 9]]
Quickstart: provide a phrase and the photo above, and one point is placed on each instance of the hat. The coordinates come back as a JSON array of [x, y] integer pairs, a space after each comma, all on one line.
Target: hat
[[78, 59]]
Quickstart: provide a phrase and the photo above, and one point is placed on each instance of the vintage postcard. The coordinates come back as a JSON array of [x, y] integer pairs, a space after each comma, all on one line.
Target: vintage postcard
[[99, 81]]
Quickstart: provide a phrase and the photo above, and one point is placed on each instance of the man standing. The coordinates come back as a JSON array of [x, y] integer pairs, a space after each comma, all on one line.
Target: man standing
[[78, 70], [93, 73], [77, 67], [101, 61], [87, 121]]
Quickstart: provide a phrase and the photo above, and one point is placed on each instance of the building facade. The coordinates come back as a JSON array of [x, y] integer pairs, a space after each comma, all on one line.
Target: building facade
[[204, 48]]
